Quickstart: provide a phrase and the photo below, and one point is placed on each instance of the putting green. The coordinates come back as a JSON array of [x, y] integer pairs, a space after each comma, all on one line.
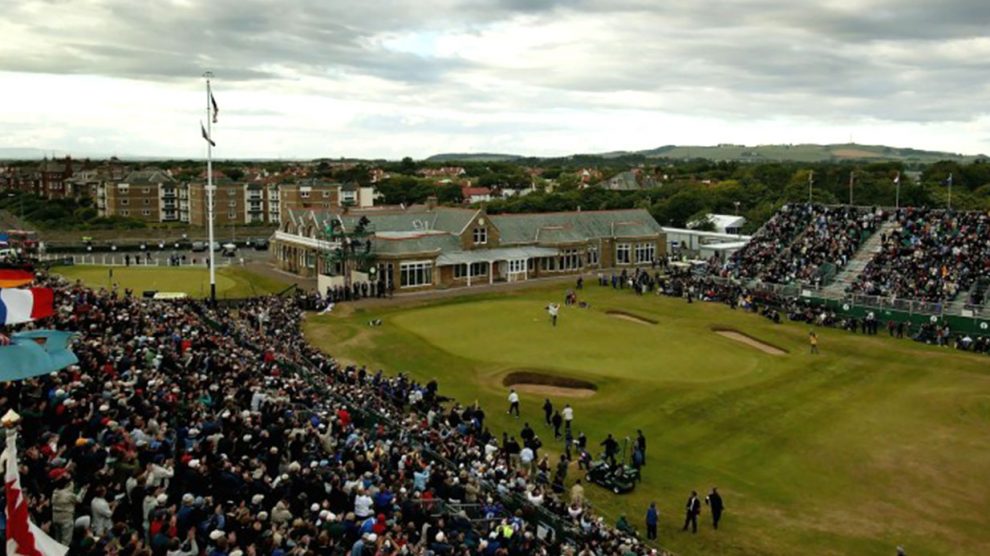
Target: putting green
[[874, 443]]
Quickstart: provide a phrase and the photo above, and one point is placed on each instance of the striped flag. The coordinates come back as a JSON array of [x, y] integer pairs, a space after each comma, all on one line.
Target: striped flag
[[206, 135], [25, 305], [15, 277], [23, 537]]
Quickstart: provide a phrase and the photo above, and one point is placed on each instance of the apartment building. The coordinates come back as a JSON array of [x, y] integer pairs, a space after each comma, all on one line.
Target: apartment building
[[141, 194]]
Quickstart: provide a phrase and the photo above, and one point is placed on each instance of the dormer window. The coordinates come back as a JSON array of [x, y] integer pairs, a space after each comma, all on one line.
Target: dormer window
[[480, 236]]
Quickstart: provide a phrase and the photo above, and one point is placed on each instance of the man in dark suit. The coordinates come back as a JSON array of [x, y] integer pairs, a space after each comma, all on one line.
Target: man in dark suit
[[714, 501], [693, 508], [641, 444]]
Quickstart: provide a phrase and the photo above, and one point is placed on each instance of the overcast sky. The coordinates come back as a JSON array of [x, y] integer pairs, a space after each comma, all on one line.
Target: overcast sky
[[308, 78]]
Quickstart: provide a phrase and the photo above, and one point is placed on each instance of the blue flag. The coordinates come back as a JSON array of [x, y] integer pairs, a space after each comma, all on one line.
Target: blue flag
[[35, 353]]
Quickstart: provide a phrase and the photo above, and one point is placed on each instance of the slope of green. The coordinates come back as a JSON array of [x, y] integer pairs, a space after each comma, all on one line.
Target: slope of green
[[871, 444]]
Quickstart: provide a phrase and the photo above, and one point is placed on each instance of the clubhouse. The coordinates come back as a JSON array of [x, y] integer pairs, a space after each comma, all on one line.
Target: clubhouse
[[428, 246]]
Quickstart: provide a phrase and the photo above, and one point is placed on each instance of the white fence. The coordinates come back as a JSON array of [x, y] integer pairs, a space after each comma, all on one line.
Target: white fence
[[138, 260]]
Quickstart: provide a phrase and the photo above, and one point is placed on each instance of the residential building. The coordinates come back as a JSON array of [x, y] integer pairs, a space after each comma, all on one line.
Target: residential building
[[141, 194]]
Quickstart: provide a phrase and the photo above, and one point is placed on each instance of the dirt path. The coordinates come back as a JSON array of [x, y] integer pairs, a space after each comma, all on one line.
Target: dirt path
[[750, 341]]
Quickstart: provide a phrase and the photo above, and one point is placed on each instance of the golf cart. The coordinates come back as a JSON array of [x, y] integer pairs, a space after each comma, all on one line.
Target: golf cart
[[619, 479]]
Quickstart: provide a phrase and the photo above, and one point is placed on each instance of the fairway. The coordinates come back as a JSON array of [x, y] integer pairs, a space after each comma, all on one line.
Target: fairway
[[232, 282], [872, 444]]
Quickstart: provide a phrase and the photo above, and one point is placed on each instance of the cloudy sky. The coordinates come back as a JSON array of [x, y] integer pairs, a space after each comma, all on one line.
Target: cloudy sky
[[376, 78]]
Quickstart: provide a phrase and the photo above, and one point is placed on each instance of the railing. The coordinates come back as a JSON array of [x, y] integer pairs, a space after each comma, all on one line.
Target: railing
[[136, 261]]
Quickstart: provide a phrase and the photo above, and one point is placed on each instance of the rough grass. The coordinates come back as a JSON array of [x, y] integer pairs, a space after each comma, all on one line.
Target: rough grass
[[232, 282], [874, 443]]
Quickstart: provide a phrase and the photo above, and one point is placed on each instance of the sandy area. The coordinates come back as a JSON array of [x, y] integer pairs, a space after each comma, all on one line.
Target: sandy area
[[629, 317], [752, 342], [545, 390]]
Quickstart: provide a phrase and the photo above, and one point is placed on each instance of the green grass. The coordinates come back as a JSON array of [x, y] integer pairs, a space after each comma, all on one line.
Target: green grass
[[871, 444], [232, 282]]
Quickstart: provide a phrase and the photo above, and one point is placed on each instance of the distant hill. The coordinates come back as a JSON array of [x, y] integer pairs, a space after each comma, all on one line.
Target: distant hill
[[472, 157], [803, 153]]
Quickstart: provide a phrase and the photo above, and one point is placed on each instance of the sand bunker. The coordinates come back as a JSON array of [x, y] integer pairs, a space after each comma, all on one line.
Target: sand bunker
[[630, 317], [749, 341], [549, 385]]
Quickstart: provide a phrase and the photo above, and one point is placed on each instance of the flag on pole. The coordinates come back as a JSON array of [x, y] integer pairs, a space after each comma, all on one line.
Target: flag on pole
[[23, 537], [948, 180], [216, 110], [26, 305], [206, 135], [897, 179]]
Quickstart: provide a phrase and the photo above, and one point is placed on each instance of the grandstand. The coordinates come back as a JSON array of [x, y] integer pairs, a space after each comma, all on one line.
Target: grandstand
[[929, 260]]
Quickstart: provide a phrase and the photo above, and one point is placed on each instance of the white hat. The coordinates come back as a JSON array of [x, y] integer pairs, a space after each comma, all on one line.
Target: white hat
[[314, 508], [371, 537], [257, 499], [162, 498], [440, 536], [216, 534], [263, 516]]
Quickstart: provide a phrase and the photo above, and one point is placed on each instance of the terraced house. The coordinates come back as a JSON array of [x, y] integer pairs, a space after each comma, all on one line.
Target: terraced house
[[426, 246]]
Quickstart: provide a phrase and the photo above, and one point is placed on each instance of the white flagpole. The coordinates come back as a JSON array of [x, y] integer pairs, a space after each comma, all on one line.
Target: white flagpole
[[209, 190]]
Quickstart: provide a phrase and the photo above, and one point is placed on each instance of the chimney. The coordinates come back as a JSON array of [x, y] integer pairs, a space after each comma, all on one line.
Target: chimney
[[431, 202]]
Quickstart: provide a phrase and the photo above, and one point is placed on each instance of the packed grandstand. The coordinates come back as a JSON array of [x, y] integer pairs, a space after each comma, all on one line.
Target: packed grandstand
[[931, 255], [187, 428]]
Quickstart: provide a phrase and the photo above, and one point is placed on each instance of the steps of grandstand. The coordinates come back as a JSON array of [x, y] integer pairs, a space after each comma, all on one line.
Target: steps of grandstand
[[863, 256]]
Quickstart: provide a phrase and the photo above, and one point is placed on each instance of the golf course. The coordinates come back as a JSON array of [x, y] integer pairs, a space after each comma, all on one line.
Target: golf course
[[873, 443], [232, 282]]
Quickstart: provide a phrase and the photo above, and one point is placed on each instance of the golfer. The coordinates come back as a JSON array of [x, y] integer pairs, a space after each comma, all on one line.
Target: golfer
[[553, 309], [513, 403]]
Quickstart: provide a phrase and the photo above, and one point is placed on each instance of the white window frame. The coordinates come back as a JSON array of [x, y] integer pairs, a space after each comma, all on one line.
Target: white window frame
[[645, 253], [592, 256], [517, 266], [480, 235], [623, 253], [145, 212], [415, 274]]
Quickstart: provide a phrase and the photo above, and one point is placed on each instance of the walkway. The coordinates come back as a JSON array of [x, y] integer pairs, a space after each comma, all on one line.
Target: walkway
[[863, 256]]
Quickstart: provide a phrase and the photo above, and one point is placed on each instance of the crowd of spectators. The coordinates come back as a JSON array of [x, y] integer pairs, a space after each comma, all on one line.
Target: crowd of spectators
[[831, 237], [933, 255], [756, 258], [187, 429], [692, 286]]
